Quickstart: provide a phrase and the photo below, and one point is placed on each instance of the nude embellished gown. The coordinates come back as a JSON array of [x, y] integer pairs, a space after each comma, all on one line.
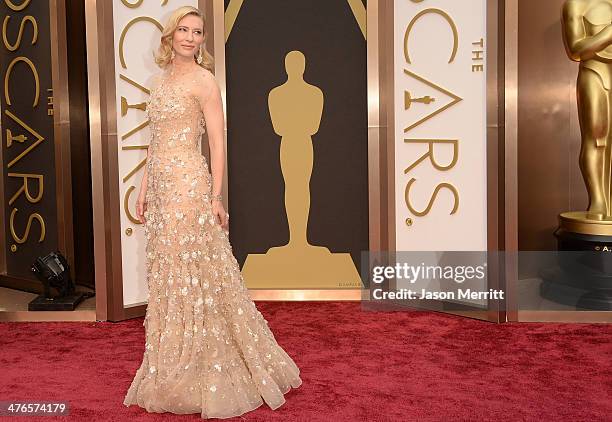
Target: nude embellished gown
[[208, 349]]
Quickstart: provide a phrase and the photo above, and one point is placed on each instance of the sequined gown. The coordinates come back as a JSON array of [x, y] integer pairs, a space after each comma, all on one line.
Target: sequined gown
[[208, 349]]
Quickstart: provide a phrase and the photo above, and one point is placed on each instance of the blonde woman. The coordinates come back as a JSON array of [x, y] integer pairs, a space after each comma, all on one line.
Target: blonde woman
[[208, 349]]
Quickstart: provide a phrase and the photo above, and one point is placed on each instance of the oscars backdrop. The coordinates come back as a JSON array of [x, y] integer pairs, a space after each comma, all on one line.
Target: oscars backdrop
[[440, 125], [297, 141], [28, 151], [440, 134]]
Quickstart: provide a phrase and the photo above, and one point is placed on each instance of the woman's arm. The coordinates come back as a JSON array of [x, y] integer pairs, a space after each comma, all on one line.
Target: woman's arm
[[141, 204], [213, 114], [143, 182], [212, 107]]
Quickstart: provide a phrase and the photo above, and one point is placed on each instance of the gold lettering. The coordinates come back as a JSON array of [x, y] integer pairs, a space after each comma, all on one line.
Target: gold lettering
[[132, 5], [10, 138], [134, 170], [448, 19], [478, 55], [127, 28], [455, 99], [126, 205], [432, 199], [8, 75], [26, 189], [39, 138], [16, 8], [134, 130], [33, 216], [50, 102], [24, 20], [430, 153]]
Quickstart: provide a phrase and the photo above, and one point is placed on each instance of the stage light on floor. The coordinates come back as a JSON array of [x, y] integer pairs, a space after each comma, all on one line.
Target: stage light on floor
[[53, 271]]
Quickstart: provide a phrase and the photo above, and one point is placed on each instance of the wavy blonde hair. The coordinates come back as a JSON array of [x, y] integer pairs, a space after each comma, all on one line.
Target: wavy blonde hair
[[164, 52]]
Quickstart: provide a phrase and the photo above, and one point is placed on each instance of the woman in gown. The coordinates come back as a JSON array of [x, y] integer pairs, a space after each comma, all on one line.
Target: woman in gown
[[208, 349]]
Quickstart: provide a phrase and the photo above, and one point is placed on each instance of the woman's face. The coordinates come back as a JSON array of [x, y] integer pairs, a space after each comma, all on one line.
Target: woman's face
[[188, 36]]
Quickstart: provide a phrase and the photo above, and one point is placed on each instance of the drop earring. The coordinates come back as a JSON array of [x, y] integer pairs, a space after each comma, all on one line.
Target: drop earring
[[172, 55], [200, 58]]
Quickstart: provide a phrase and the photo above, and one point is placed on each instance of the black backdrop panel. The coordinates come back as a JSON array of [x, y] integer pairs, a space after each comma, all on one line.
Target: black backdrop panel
[[335, 50], [23, 119]]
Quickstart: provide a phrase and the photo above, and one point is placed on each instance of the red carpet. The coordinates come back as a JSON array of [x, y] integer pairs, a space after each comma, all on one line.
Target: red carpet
[[356, 366]]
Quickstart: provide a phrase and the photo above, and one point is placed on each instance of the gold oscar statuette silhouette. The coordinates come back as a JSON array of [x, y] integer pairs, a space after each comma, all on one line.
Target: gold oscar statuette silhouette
[[295, 109]]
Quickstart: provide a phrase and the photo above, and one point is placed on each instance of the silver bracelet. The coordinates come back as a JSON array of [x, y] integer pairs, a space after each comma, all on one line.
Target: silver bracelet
[[217, 197]]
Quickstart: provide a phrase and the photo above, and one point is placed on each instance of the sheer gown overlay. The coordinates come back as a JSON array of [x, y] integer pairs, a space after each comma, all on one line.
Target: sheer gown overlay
[[208, 349]]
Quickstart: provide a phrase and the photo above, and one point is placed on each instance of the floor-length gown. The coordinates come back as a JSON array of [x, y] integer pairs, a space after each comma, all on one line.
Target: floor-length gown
[[208, 349]]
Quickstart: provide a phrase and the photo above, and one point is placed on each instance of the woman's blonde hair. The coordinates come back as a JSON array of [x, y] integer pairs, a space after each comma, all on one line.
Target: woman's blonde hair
[[164, 53]]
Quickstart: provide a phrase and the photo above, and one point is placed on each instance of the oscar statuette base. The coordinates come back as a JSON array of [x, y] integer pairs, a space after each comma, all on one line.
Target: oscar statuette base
[[583, 277], [300, 267]]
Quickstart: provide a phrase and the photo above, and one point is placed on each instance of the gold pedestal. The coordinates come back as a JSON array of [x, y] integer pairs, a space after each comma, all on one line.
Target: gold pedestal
[[585, 223], [300, 267]]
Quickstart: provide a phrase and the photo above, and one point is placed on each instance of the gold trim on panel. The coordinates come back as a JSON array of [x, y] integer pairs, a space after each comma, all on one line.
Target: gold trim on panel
[[375, 132], [61, 129], [565, 316], [97, 168], [104, 162], [40, 316], [388, 84], [299, 295], [494, 134], [380, 126], [484, 316], [510, 163]]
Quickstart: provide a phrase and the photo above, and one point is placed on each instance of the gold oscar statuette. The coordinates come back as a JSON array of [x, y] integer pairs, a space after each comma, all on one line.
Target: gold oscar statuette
[[583, 276], [296, 108], [587, 32]]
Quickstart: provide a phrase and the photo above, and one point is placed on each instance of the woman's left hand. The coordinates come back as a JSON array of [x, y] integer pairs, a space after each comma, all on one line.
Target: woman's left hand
[[220, 214]]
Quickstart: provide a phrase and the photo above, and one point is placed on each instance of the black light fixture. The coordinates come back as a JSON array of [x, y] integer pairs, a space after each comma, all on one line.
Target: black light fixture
[[53, 271]]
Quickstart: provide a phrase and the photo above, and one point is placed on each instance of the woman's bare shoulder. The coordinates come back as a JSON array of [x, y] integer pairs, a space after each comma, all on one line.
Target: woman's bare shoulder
[[207, 83], [206, 75]]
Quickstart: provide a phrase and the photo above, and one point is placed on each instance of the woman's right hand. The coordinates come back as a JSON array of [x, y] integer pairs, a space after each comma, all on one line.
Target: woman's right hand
[[141, 207]]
